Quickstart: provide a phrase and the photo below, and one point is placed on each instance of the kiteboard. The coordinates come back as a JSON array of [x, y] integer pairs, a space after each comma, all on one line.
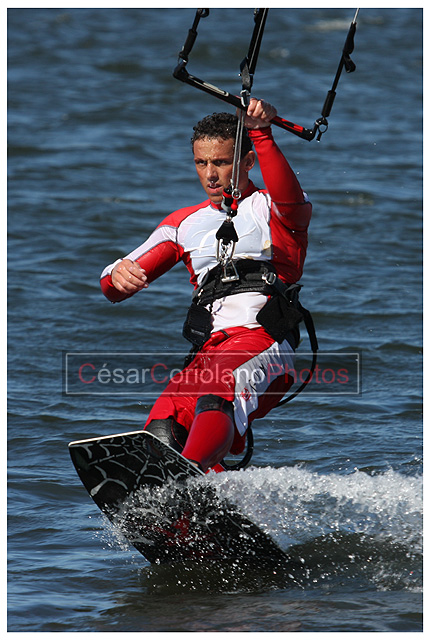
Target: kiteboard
[[163, 504]]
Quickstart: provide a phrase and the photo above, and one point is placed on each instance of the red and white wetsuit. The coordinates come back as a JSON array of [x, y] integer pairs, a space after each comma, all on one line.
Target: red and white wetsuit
[[272, 225]]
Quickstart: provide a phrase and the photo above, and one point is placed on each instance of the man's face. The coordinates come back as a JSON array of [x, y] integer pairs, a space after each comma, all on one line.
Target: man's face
[[213, 158]]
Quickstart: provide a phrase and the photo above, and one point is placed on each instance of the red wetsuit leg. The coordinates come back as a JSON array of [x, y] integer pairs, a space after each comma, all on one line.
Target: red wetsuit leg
[[210, 438]]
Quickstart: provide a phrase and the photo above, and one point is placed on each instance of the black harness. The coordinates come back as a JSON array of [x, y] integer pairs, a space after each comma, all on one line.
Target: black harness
[[252, 275], [280, 316]]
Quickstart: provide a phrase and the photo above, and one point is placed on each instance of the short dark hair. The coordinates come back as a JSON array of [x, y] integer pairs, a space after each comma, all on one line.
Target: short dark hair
[[221, 125]]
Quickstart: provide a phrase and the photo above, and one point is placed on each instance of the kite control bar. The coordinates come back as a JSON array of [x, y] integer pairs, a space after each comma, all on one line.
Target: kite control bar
[[247, 69]]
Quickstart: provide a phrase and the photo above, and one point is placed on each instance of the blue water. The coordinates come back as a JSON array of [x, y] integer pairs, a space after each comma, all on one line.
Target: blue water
[[98, 153]]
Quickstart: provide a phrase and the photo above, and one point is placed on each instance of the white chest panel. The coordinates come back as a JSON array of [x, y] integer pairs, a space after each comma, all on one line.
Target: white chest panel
[[197, 234]]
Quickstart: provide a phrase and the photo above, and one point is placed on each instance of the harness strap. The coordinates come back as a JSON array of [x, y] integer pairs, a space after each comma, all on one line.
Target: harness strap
[[252, 276]]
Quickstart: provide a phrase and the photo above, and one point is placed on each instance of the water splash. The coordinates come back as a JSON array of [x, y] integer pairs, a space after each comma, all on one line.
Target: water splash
[[338, 528], [294, 505]]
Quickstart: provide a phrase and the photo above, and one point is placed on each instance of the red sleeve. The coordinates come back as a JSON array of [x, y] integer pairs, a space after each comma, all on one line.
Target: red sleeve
[[110, 291], [280, 180], [159, 253], [155, 261]]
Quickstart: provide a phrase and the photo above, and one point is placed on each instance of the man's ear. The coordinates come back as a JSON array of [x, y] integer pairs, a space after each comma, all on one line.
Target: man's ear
[[249, 160]]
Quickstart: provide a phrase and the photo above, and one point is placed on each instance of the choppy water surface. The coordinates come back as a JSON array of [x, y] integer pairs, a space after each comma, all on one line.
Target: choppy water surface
[[98, 142]]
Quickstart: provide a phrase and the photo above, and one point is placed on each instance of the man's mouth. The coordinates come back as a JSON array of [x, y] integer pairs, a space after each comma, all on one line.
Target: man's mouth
[[214, 186]]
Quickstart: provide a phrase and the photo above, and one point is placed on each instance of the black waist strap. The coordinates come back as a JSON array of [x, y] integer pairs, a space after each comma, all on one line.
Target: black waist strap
[[253, 276]]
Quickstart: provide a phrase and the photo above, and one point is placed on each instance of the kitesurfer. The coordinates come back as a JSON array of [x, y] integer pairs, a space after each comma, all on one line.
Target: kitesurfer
[[242, 323]]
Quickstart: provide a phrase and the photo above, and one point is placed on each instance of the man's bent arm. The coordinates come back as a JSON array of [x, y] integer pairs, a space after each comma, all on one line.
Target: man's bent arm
[[280, 180]]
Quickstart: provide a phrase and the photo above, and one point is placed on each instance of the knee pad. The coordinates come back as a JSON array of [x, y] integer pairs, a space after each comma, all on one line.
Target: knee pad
[[169, 431], [214, 403]]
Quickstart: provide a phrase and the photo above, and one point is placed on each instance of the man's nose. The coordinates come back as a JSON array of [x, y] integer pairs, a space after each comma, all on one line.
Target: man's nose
[[211, 171]]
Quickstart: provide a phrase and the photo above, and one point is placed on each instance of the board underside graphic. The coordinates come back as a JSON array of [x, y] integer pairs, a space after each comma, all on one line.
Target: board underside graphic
[[163, 504]]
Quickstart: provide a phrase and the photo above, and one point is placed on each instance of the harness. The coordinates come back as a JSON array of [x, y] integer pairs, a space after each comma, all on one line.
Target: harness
[[252, 276], [280, 316]]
